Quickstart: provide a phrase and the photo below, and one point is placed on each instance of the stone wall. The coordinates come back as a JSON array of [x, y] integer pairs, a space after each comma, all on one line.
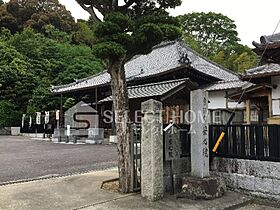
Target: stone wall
[[5, 131], [260, 178]]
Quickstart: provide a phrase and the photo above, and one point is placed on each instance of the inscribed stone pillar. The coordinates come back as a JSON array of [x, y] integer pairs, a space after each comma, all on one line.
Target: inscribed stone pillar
[[199, 134], [152, 186]]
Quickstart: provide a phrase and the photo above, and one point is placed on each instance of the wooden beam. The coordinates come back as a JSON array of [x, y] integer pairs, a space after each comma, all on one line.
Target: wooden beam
[[270, 113], [248, 111]]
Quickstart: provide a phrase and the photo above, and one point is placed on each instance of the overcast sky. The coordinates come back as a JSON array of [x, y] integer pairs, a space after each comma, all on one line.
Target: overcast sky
[[253, 17]]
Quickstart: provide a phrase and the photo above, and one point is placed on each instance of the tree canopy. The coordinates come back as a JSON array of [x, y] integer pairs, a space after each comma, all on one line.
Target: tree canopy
[[120, 36], [30, 63], [215, 36], [18, 14], [135, 8], [211, 30], [132, 28]]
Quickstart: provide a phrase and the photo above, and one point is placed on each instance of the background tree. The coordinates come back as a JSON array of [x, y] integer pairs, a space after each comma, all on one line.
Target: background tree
[[84, 34], [9, 116], [126, 30], [31, 62], [237, 58], [211, 30], [7, 20], [15, 78], [214, 36], [18, 14], [70, 102]]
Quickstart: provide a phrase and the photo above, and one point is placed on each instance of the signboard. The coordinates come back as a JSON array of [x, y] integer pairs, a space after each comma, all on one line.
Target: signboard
[[173, 148], [47, 117], [38, 118]]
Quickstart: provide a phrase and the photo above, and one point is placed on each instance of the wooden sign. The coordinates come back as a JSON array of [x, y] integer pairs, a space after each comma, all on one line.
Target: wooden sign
[[172, 142]]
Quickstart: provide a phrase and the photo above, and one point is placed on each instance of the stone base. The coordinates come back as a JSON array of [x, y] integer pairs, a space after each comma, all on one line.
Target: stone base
[[113, 139], [15, 131], [203, 188], [94, 141]]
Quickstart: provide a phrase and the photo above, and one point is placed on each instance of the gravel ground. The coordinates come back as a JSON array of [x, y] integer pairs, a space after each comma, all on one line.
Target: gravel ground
[[24, 158]]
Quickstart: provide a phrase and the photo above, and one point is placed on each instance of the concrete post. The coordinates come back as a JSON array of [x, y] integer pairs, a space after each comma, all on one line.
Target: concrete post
[[152, 186], [199, 134]]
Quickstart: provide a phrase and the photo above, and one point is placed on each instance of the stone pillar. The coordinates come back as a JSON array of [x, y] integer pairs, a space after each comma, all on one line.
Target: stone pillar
[[199, 134], [152, 186]]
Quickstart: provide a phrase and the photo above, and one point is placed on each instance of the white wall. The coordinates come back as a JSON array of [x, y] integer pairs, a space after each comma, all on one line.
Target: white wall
[[218, 101], [276, 96]]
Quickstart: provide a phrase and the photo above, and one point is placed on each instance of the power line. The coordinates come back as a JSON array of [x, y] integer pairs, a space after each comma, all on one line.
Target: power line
[[241, 96], [250, 79]]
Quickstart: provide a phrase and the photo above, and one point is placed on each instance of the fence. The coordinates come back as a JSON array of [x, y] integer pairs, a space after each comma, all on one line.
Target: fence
[[256, 142]]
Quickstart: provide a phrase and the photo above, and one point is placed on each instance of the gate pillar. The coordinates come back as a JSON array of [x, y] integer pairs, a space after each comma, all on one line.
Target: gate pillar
[[199, 134], [152, 186]]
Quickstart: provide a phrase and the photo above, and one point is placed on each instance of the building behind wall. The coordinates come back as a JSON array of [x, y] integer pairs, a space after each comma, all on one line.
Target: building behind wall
[[262, 99], [168, 74]]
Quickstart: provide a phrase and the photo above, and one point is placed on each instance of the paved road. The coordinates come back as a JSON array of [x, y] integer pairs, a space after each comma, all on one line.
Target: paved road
[[24, 158]]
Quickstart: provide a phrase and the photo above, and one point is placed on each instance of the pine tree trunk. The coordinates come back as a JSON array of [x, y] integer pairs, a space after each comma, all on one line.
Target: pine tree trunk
[[121, 109]]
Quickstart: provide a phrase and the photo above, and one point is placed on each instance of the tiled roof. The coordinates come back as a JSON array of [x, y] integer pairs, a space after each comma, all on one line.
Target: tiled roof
[[227, 85], [206, 66], [268, 41], [164, 57], [150, 90], [265, 70], [93, 81]]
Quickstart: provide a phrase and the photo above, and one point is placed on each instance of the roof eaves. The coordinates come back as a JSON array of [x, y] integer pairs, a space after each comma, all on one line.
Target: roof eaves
[[181, 83], [264, 74], [206, 59], [186, 84], [250, 89]]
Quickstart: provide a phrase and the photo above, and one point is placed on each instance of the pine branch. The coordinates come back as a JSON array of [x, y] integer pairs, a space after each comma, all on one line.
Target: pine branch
[[91, 11]]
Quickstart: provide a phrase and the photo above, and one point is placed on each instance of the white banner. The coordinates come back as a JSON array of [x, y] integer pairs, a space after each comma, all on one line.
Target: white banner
[[57, 115], [68, 131], [38, 118], [30, 121], [22, 120], [47, 117]]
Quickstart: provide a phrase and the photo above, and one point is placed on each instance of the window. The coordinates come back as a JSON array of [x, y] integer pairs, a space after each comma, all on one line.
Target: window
[[254, 115], [217, 117]]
